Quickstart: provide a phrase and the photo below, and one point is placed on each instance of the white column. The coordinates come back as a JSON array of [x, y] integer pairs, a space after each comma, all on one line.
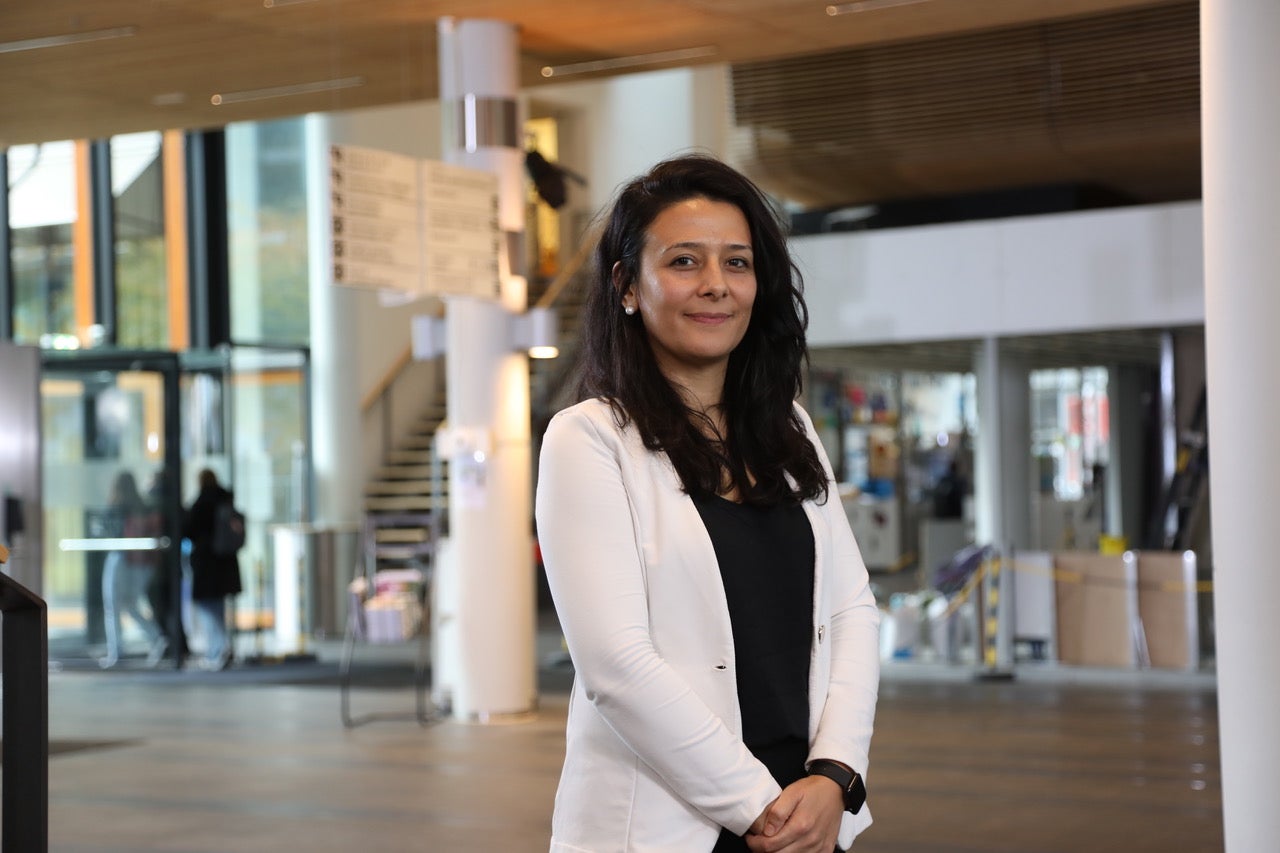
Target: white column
[[335, 390], [1002, 456], [489, 558], [1240, 128]]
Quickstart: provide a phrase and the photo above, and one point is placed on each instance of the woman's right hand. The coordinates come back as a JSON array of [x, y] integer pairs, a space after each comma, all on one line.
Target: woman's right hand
[[805, 818]]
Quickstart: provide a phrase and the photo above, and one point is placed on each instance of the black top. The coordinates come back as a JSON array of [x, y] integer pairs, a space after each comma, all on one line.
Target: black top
[[766, 563]]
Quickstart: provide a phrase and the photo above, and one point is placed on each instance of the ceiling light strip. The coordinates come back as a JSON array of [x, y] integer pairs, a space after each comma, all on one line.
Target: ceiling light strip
[[67, 39], [868, 6], [225, 98], [628, 61]]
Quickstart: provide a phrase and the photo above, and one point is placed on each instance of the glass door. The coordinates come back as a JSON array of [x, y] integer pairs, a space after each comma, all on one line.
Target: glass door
[[246, 417], [112, 575]]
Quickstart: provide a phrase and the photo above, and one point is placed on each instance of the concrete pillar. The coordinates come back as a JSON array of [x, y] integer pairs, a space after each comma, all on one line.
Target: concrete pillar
[[1241, 122], [1002, 455], [489, 558], [1126, 448]]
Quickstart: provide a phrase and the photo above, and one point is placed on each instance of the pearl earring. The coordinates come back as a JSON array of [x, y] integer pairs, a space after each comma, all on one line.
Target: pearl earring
[[629, 309]]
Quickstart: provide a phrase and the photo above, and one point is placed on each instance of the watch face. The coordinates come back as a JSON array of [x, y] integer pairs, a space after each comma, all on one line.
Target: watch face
[[856, 795]]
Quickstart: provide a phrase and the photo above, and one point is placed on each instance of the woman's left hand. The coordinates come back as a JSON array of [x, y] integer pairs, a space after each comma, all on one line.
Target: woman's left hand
[[804, 819]]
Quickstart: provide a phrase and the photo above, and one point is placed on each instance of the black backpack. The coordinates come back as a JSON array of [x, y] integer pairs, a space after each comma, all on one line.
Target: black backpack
[[228, 530]]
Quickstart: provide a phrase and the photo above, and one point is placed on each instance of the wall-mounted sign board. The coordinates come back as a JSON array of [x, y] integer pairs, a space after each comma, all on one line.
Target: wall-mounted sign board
[[413, 227]]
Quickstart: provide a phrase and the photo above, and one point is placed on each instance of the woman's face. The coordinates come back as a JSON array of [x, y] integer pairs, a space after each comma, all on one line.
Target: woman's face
[[696, 285]]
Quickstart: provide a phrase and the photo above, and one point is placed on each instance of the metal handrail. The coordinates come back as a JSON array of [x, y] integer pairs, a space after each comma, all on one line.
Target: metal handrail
[[24, 777], [562, 280], [387, 379]]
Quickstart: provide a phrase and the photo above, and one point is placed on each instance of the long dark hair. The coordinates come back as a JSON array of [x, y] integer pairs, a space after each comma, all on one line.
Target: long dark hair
[[765, 435]]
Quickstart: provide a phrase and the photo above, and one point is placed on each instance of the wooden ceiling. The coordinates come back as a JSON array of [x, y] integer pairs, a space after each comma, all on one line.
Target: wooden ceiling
[[1107, 104], [173, 56]]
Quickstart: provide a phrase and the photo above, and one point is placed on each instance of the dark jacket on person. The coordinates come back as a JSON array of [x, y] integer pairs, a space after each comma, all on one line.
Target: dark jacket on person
[[212, 575]]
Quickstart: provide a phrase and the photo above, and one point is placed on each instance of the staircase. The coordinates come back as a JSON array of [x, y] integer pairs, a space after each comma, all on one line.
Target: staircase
[[551, 380], [406, 501]]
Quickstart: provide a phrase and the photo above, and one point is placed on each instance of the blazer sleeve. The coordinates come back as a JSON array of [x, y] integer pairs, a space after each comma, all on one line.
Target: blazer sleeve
[[844, 730], [596, 572]]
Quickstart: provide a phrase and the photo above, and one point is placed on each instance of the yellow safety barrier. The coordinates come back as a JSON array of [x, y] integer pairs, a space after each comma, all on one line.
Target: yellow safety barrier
[[1061, 575]]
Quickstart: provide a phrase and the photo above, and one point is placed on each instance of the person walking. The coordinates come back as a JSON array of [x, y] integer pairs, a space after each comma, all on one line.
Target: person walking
[[215, 575], [127, 570]]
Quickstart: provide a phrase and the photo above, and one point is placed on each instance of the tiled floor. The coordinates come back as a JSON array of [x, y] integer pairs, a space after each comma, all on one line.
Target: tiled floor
[[1045, 764]]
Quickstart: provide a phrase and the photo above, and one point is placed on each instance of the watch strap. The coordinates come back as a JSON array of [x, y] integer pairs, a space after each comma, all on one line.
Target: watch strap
[[850, 781]]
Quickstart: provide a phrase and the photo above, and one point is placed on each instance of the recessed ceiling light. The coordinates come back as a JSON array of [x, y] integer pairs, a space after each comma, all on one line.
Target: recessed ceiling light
[[285, 91], [628, 61], [271, 4], [66, 39], [169, 99]]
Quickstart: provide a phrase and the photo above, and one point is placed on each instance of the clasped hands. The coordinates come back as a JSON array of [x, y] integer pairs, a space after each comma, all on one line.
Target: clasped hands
[[805, 818]]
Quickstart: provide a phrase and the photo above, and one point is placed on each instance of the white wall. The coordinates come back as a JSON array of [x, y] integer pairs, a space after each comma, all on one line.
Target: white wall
[[1120, 268]]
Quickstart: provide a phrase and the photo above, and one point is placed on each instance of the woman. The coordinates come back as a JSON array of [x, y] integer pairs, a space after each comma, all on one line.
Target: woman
[[125, 574], [712, 597]]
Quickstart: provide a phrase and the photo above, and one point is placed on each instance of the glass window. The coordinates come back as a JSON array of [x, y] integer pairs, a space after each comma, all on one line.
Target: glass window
[[43, 218], [267, 232], [142, 293], [1070, 428]]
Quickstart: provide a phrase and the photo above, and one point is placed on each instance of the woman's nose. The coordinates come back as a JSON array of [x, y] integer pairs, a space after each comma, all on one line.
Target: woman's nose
[[714, 282]]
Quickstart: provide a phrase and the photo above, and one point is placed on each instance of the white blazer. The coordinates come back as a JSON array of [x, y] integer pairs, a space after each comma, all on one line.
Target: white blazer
[[654, 759]]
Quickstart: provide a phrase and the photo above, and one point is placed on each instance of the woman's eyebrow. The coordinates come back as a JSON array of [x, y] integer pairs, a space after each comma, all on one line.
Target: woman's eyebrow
[[694, 244]]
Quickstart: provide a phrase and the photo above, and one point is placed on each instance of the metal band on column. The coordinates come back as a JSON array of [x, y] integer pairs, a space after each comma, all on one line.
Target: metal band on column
[[487, 123]]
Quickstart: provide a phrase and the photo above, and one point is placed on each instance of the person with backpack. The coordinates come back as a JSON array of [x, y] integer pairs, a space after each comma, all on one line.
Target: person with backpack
[[215, 529]]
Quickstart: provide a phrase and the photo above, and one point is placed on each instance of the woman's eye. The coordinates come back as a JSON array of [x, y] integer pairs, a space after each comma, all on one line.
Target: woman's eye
[[740, 263], [682, 261]]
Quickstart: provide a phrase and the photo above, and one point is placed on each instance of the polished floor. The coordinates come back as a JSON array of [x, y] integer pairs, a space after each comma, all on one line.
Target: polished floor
[[1052, 763]]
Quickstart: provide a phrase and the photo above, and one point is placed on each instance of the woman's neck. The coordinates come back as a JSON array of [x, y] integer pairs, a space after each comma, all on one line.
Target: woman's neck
[[701, 390], [704, 403]]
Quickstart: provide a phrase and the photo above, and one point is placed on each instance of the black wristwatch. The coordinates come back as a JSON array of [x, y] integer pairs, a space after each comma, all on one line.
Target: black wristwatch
[[850, 781]]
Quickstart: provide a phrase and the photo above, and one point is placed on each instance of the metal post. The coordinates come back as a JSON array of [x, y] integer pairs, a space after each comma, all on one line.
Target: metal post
[[24, 827]]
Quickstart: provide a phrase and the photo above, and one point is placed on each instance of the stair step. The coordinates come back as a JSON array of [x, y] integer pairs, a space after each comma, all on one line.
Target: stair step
[[403, 487], [401, 535], [415, 471], [395, 519], [407, 472], [405, 503], [401, 552], [428, 423], [418, 442], [418, 456]]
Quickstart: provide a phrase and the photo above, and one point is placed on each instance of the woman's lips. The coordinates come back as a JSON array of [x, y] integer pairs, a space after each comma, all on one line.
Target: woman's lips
[[709, 319]]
